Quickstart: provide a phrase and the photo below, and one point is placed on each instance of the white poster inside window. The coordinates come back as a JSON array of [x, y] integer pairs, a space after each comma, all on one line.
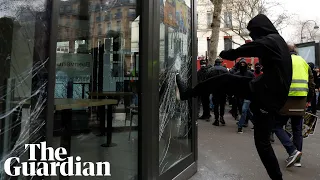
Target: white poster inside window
[[307, 53], [74, 65]]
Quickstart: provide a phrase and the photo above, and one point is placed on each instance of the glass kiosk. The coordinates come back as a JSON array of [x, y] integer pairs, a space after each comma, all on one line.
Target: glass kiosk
[[96, 77]]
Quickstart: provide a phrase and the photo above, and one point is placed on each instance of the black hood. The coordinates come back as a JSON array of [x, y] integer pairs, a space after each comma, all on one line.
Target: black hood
[[261, 26], [243, 68]]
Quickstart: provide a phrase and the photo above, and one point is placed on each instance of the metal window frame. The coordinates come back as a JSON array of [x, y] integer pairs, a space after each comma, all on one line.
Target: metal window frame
[[53, 10], [148, 124]]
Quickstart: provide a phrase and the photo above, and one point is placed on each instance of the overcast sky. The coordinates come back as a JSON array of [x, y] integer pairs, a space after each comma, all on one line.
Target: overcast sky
[[303, 10]]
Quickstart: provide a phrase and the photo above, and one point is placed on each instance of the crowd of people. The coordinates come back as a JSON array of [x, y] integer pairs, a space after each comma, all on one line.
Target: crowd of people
[[217, 103], [281, 86]]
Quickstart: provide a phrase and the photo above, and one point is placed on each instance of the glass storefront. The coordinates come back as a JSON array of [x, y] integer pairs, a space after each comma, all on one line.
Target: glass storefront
[[96, 61], [96, 77]]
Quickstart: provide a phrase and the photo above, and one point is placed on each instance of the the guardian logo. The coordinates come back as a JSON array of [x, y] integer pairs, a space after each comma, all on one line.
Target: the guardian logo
[[68, 166]]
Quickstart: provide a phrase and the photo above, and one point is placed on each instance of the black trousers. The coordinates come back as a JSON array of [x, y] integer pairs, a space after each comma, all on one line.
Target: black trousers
[[237, 106], [219, 102], [263, 126], [230, 99], [264, 121], [234, 108], [205, 104]]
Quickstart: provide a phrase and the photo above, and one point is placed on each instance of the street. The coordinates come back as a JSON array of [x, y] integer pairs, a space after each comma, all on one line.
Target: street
[[223, 154]]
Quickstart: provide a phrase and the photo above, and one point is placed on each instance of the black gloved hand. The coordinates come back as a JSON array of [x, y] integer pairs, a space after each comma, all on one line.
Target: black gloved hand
[[223, 54], [228, 55]]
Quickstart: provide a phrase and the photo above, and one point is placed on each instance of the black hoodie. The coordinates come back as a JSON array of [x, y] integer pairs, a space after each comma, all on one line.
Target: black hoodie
[[203, 73], [243, 70], [270, 90]]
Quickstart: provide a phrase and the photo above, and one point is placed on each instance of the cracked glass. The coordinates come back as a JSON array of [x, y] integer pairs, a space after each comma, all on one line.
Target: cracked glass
[[24, 59], [175, 57]]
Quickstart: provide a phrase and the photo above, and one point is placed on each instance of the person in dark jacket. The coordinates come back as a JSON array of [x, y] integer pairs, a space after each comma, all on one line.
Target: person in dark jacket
[[235, 68], [257, 70], [268, 92], [317, 82], [313, 107], [233, 100], [218, 98], [243, 104], [202, 75]]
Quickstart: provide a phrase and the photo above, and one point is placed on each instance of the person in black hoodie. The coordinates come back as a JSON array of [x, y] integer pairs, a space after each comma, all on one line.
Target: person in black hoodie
[[243, 104], [202, 75], [218, 98], [233, 100], [268, 92]]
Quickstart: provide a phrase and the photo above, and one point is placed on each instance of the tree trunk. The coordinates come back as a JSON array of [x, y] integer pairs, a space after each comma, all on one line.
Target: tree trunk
[[216, 21]]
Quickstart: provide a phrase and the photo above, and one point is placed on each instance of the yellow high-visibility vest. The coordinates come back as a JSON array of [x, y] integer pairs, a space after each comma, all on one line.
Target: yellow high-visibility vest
[[300, 77]]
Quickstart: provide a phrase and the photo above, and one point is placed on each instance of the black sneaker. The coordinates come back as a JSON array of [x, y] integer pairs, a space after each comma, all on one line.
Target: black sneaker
[[293, 158], [205, 117], [181, 89], [240, 130], [222, 121], [216, 123]]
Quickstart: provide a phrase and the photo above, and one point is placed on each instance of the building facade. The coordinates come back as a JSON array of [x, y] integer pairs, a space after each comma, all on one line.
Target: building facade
[[228, 39], [95, 78]]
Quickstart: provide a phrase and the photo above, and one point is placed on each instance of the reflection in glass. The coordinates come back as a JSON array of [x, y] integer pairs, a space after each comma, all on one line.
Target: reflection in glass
[[175, 56], [96, 61]]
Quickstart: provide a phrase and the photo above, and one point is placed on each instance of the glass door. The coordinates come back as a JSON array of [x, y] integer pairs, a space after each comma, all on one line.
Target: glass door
[[175, 117]]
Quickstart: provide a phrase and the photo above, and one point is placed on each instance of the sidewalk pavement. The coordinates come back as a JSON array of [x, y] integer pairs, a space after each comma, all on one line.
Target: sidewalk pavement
[[223, 154]]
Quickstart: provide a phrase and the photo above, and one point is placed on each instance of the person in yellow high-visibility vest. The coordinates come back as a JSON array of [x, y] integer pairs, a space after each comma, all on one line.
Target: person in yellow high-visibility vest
[[301, 92]]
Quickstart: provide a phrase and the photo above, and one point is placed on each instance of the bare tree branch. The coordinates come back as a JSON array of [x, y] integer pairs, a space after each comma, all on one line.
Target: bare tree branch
[[244, 10]]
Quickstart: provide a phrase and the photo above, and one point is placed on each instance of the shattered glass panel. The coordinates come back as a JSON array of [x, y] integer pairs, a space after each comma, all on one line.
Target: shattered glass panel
[[175, 56], [24, 44]]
